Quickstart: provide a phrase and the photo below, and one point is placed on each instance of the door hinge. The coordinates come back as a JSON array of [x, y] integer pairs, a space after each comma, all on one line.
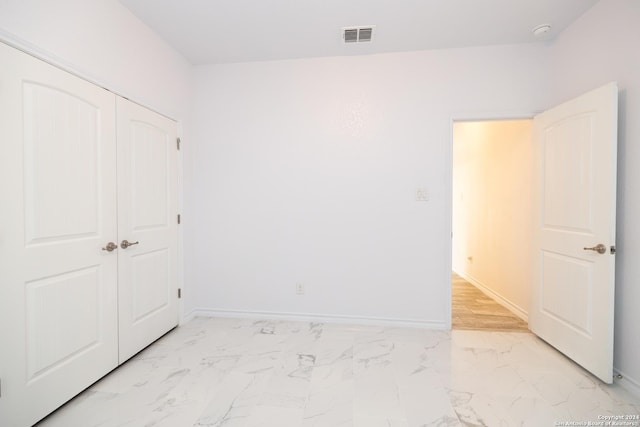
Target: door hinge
[[178, 143], [179, 219], [179, 293]]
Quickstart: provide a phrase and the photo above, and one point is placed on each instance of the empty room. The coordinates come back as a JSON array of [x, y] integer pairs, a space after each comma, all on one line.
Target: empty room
[[247, 213]]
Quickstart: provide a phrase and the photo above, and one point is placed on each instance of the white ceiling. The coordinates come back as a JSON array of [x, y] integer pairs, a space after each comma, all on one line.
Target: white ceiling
[[220, 31]]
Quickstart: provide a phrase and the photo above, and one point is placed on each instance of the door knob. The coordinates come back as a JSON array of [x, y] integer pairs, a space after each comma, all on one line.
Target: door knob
[[600, 248], [110, 247], [125, 244]]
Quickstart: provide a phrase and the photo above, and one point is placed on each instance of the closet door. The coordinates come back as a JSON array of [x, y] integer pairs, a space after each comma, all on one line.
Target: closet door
[[147, 220], [58, 287]]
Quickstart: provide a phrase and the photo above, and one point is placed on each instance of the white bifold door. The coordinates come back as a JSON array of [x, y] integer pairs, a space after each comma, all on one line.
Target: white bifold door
[[80, 169], [147, 227]]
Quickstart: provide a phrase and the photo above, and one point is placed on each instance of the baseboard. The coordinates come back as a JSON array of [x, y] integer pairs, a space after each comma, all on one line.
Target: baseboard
[[319, 318], [626, 382], [515, 309], [186, 318]]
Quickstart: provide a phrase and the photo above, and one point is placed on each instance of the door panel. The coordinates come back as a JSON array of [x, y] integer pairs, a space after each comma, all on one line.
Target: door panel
[[572, 305], [149, 150], [150, 285], [575, 277], [58, 312], [50, 315], [147, 214], [568, 175], [60, 127]]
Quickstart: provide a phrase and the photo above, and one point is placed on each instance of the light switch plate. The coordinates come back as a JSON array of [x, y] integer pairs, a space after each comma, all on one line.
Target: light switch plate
[[422, 195]]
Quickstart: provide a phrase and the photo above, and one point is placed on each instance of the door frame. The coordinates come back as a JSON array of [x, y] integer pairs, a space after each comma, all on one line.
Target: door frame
[[467, 117]]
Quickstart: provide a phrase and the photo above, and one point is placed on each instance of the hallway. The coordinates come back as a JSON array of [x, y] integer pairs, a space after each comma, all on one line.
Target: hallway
[[474, 310]]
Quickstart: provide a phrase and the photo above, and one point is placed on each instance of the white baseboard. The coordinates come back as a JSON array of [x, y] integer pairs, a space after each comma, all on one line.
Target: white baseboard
[[628, 383], [514, 308], [185, 318], [320, 318]]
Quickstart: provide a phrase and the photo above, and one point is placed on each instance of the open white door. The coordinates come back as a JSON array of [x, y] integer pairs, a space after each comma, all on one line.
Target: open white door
[[147, 220], [572, 305]]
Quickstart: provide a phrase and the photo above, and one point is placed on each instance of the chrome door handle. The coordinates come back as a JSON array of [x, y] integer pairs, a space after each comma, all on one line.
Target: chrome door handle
[[110, 247], [600, 248], [125, 244]]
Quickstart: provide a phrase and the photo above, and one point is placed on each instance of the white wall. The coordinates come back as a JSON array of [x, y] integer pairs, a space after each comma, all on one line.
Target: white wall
[[103, 42], [306, 171], [492, 204], [603, 46]]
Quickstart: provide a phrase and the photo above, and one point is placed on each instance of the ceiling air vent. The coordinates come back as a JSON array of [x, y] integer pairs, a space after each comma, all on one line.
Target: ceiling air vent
[[357, 34], [350, 35]]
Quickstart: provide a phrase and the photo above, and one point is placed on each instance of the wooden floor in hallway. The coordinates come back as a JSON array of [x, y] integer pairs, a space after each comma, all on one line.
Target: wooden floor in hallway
[[473, 309]]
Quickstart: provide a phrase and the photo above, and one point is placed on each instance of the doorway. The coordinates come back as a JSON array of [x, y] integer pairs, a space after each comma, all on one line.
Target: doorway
[[491, 223]]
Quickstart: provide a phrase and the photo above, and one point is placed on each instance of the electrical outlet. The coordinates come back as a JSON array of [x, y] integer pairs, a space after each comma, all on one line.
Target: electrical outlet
[[299, 289]]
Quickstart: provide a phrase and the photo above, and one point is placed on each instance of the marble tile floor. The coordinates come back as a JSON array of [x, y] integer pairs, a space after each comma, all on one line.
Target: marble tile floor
[[248, 373]]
